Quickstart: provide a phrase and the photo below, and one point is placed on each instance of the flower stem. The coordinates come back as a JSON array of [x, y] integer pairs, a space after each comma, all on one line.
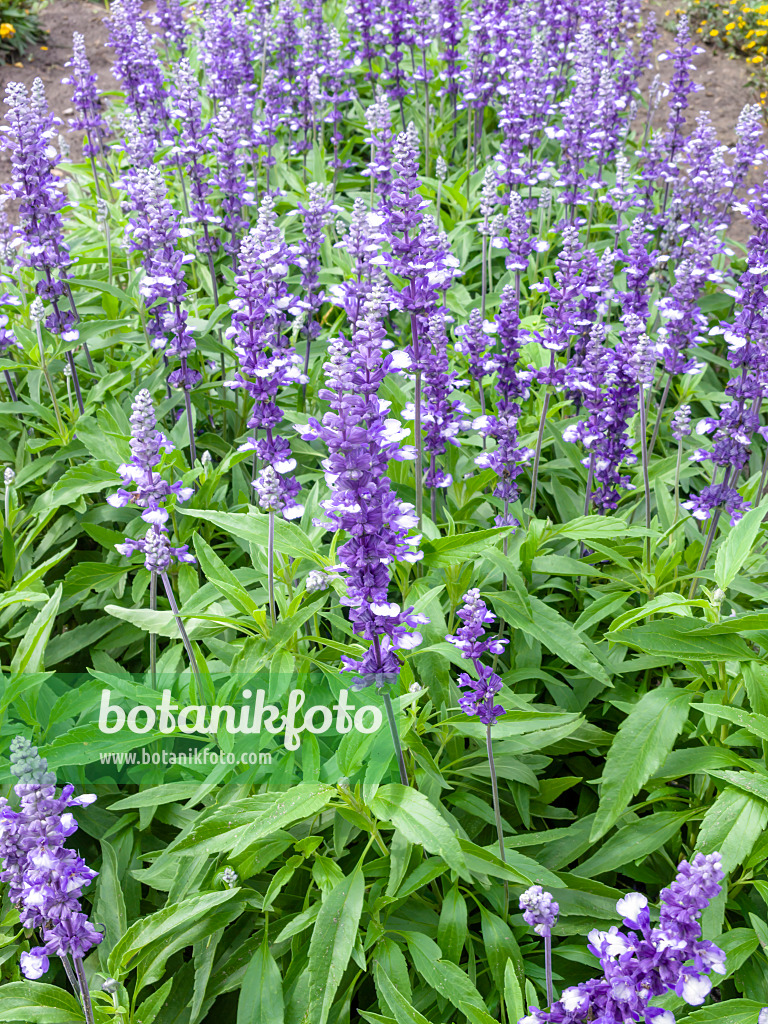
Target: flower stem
[[662, 404], [548, 969], [86, 995], [190, 427], [483, 275], [426, 114], [153, 636], [11, 388], [48, 381], [705, 553], [184, 637], [70, 975], [646, 481], [76, 382], [419, 449], [395, 738], [537, 456], [677, 477], [497, 810], [271, 566]]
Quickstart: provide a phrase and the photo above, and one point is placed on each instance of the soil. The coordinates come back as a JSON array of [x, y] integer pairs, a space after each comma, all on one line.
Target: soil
[[61, 19], [725, 79], [726, 89]]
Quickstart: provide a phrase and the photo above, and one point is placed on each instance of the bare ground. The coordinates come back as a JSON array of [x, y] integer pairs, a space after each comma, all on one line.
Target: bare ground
[[724, 79], [61, 19]]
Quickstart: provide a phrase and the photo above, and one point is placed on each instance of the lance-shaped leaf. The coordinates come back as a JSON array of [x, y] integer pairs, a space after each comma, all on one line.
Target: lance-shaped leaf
[[644, 739], [333, 939]]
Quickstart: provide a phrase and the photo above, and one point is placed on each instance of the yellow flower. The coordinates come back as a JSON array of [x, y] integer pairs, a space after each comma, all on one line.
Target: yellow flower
[[714, 32], [6, 29], [730, 26]]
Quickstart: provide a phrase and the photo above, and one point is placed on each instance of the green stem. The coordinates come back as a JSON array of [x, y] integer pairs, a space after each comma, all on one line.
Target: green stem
[[271, 566], [182, 631], [395, 738], [646, 482], [537, 456], [497, 811], [86, 995], [153, 636]]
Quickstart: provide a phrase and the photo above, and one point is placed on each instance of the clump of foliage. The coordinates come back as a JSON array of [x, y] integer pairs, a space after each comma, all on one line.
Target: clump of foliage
[[383, 543]]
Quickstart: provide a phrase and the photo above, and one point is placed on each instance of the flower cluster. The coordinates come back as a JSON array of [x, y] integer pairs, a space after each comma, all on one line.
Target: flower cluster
[[45, 879], [151, 492], [85, 97], [470, 639], [41, 198], [539, 910], [154, 231], [361, 439], [642, 962], [267, 360]]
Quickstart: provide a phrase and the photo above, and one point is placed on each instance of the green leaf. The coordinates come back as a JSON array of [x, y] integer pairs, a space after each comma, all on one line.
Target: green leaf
[[261, 995], [513, 993], [448, 980], [482, 861], [735, 549], [253, 527], [750, 782], [452, 928], [444, 552], [644, 739], [588, 528], [217, 573], [30, 654], [389, 960], [34, 1002], [696, 760], [732, 1011], [401, 1007], [333, 939], [420, 822], [756, 724], [236, 827], [732, 826], [635, 841], [683, 640], [110, 904], [161, 925], [93, 576], [761, 930], [77, 481], [501, 948], [149, 1009], [475, 1015], [549, 627]]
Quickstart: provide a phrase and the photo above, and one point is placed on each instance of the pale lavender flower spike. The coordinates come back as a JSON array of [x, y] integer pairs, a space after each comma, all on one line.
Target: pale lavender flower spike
[[45, 879], [539, 910], [643, 962]]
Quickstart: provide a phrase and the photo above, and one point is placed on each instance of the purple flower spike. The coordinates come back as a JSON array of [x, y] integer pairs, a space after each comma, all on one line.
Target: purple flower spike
[[169, 18], [643, 962], [152, 491], [540, 910], [45, 879], [136, 64], [42, 196], [361, 440], [470, 639], [85, 96]]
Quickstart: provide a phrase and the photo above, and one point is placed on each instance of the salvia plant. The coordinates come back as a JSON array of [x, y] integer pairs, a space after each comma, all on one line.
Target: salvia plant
[[383, 553]]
